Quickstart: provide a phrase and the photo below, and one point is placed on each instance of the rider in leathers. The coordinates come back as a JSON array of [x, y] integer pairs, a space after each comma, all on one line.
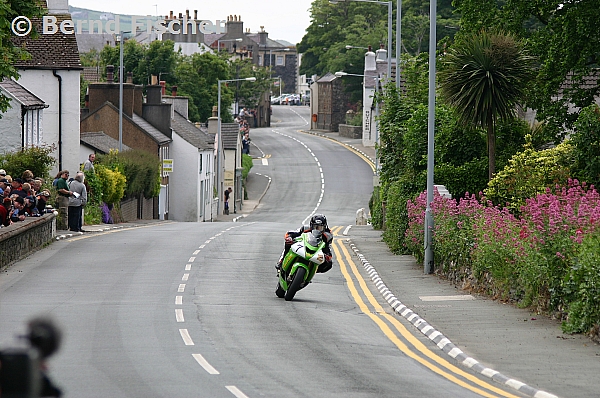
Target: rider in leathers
[[317, 222]]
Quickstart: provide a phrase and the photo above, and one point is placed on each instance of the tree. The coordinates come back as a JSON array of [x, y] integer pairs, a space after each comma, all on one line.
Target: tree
[[197, 76], [484, 76], [11, 53], [563, 35], [250, 93]]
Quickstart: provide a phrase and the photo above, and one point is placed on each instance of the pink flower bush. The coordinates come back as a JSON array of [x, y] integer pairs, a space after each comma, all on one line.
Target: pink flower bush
[[528, 259]]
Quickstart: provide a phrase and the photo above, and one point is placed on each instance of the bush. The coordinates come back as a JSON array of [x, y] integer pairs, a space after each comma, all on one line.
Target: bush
[[140, 168], [586, 142], [529, 173], [36, 159], [113, 184]]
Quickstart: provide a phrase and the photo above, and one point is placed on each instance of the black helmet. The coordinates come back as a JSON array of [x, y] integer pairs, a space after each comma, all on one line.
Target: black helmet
[[318, 222]]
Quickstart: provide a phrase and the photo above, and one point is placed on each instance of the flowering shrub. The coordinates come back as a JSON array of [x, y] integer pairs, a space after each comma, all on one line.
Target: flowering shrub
[[544, 258]]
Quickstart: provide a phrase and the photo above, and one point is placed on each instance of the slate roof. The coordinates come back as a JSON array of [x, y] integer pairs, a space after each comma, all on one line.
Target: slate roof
[[149, 129], [152, 131], [25, 97], [190, 133], [100, 142], [49, 51], [231, 132], [329, 77]]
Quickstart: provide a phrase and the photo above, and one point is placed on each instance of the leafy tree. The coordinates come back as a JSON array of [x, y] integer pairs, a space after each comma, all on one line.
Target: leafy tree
[[484, 75], [197, 76], [563, 36], [250, 93], [38, 159], [586, 140], [11, 53]]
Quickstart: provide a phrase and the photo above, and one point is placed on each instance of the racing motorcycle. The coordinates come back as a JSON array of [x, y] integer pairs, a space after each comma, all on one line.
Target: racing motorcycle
[[300, 264]]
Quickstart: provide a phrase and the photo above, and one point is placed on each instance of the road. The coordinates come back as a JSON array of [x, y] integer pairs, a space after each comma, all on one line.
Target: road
[[189, 310]]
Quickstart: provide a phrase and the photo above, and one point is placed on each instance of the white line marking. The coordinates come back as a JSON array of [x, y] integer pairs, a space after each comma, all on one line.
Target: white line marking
[[347, 229], [181, 288], [186, 337], [204, 363], [185, 277], [192, 259], [207, 242], [460, 297], [265, 162], [178, 300], [201, 247], [236, 391], [179, 315], [188, 267], [196, 252]]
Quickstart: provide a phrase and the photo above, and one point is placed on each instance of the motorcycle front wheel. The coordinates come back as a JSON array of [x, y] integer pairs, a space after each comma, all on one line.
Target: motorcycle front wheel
[[296, 283]]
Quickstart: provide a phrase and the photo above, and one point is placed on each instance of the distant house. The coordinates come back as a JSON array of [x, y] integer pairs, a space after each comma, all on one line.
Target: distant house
[[22, 124], [52, 75], [232, 149]]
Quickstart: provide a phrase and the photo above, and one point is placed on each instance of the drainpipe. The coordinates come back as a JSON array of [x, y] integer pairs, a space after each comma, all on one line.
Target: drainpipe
[[59, 77]]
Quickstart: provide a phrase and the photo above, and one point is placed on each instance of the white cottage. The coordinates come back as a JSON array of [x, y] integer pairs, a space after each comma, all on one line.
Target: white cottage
[[52, 75], [22, 123]]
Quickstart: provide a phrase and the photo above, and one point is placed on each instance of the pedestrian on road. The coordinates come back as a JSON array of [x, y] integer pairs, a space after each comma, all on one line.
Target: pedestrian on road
[[227, 193], [77, 200]]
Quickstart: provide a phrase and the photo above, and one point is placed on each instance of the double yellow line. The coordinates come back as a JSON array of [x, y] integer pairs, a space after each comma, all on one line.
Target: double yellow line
[[417, 350]]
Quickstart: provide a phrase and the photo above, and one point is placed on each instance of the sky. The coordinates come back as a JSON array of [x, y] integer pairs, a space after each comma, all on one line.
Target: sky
[[282, 19]]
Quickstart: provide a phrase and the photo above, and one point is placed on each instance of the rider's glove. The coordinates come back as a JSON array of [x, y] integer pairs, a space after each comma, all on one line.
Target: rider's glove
[[327, 258], [288, 239]]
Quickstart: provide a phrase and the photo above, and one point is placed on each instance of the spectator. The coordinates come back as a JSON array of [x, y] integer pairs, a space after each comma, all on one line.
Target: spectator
[[55, 181], [2, 173], [77, 200], [18, 211], [246, 144], [17, 188], [36, 185], [31, 207], [27, 176], [89, 164], [226, 194], [5, 208], [63, 199], [4, 183], [42, 200]]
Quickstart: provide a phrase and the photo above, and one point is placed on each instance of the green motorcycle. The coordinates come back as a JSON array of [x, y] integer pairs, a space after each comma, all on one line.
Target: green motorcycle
[[300, 264]]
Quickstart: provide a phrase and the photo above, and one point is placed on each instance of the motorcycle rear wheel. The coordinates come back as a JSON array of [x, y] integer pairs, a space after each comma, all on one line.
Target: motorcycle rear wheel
[[279, 292], [296, 283]]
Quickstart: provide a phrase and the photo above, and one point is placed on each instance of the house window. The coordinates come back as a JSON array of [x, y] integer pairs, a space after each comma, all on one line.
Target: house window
[[280, 60], [32, 127], [200, 168]]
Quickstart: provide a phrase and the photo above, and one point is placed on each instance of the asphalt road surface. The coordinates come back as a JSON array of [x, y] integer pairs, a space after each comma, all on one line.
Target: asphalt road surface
[[189, 310]]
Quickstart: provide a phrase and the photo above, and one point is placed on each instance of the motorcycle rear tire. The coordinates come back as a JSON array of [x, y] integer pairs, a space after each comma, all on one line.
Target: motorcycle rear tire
[[279, 292], [296, 283]]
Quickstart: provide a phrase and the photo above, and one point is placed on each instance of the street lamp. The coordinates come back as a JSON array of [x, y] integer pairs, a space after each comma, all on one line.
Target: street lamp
[[348, 47], [389, 46], [220, 140], [377, 80], [121, 78], [220, 41]]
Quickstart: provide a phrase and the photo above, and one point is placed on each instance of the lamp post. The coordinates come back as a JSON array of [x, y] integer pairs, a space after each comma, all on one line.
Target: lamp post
[[121, 75], [348, 47], [377, 80], [220, 140], [428, 238], [220, 41], [389, 46]]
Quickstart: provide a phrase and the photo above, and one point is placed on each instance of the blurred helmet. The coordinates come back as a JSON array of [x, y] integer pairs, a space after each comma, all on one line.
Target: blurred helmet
[[318, 222]]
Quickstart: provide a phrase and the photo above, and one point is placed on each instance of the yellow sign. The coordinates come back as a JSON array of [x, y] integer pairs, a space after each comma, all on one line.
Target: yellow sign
[[167, 165]]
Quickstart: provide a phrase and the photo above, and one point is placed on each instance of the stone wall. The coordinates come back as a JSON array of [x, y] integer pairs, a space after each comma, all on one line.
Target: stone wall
[[20, 239], [349, 131]]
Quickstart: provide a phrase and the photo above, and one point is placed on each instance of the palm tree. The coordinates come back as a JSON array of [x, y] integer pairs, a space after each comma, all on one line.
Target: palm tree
[[484, 77]]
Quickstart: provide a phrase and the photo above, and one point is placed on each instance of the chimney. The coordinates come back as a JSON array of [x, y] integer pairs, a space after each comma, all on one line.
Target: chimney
[[129, 78], [153, 95], [262, 37], [174, 91], [213, 122], [162, 83], [153, 80], [58, 6], [110, 76], [170, 15], [215, 111]]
